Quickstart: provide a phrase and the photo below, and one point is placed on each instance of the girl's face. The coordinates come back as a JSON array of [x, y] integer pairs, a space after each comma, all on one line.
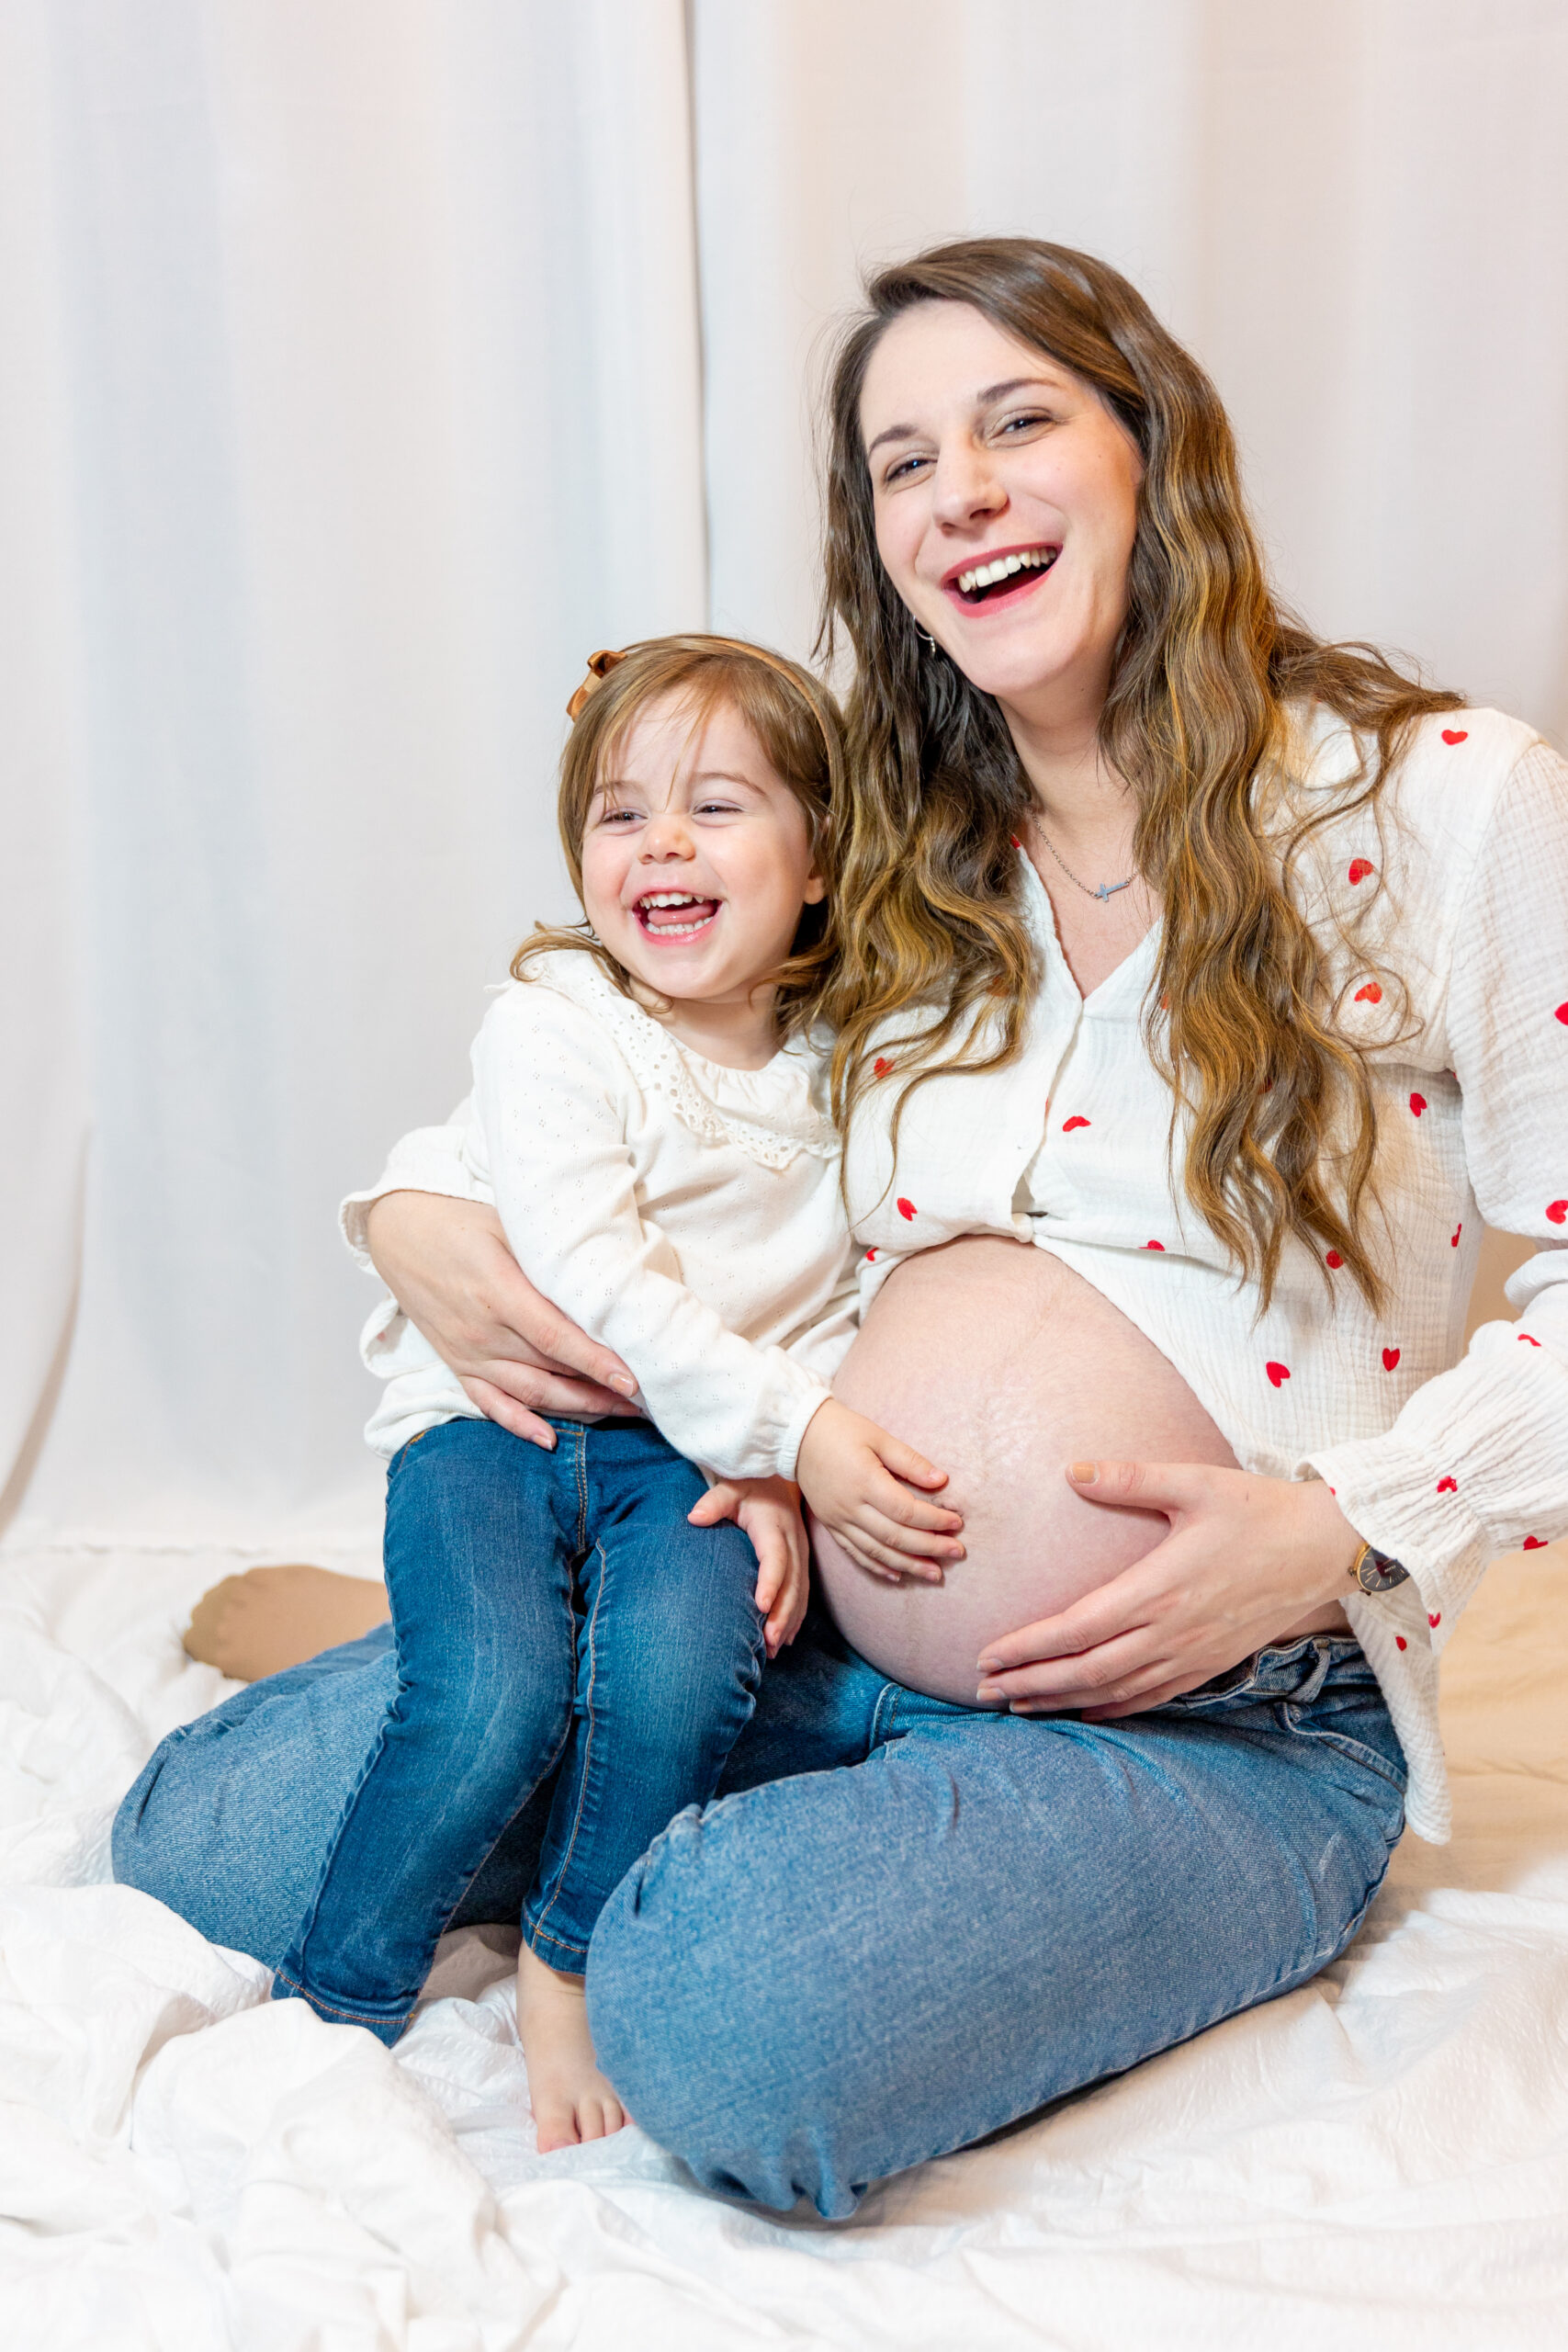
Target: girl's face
[[696, 856], [983, 452]]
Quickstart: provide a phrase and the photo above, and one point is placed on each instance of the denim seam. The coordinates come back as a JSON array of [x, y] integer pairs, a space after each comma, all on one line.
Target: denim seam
[[1355, 1750], [889, 1697], [581, 1465], [353, 2016], [593, 1630], [538, 1935]]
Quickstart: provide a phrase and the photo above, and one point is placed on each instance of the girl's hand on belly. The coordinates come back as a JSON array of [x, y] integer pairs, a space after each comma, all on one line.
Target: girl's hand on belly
[[1244, 1558], [860, 1482]]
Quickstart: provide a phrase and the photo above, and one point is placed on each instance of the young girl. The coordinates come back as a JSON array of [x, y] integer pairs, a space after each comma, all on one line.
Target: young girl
[[582, 1629]]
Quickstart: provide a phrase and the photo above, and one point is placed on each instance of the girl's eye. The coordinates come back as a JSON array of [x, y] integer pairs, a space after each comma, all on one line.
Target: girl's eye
[[620, 817], [717, 808]]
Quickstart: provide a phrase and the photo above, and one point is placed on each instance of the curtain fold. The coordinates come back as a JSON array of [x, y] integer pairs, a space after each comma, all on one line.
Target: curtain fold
[[371, 361], [377, 402]]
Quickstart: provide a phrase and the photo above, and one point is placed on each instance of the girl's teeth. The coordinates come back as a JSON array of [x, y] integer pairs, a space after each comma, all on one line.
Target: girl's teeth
[[663, 900]]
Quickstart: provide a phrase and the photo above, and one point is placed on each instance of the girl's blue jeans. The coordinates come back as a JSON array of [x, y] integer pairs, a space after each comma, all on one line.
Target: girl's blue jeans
[[901, 1926], [561, 1637]]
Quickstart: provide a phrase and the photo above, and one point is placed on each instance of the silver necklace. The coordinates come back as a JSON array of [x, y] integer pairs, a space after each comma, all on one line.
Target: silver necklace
[[1106, 889]]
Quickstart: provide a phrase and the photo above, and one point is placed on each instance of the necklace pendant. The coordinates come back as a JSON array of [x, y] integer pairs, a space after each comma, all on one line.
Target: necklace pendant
[[1108, 889]]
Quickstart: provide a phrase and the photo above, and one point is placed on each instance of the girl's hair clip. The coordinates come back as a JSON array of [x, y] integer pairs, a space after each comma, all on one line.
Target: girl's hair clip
[[600, 665]]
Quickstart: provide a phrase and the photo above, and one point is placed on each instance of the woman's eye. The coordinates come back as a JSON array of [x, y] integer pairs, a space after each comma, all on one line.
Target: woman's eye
[[902, 471], [1023, 423]]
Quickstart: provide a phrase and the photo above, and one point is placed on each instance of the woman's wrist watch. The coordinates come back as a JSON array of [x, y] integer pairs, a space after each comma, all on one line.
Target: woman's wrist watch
[[1374, 1571]]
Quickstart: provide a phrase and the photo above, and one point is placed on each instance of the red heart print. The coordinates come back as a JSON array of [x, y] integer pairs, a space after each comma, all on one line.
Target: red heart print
[[1390, 1358], [1529, 1339], [1371, 994], [1334, 1260], [1448, 1486], [1360, 867], [1453, 1237], [1078, 1120], [1399, 1642], [1562, 1015], [1417, 1103], [1434, 1620], [871, 1257], [1155, 1244], [1456, 734], [1014, 839], [1557, 1211], [1533, 1543], [904, 1208], [1278, 1371], [881, 1066]]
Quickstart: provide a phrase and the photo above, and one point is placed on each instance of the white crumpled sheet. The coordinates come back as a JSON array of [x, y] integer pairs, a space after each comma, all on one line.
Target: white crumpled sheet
[[1380, 2160]]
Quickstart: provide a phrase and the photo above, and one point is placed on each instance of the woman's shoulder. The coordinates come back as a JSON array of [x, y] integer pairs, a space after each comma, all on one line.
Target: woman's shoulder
[[1459, 757], [1460, 777]]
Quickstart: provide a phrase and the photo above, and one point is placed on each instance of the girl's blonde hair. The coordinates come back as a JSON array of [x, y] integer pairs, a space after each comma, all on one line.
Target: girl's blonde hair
[[1282, 1132], [794, 719]]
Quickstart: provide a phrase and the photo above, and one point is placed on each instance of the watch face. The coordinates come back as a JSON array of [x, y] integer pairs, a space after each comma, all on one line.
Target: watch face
[[1379, 1572]]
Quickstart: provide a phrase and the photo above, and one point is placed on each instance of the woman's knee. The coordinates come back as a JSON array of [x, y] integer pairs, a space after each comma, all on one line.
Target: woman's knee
[[704, 2029]]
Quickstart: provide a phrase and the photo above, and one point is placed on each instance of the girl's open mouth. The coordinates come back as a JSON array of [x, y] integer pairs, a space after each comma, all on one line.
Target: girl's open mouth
[[1001, 578], [674, 914]]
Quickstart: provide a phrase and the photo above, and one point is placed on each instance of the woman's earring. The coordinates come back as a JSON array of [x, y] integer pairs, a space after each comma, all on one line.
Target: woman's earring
[[925, 639]]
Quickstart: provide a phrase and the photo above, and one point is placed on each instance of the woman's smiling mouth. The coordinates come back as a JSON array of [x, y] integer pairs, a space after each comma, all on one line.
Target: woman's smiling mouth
[[1000, 578], [674, 914]]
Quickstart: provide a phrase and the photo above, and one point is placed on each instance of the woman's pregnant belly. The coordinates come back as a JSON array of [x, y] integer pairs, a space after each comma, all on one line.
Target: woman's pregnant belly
[[1001, 1366]]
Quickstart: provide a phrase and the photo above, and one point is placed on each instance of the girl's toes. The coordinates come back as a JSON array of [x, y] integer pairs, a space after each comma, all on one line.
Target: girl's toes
[[598, 2116], [555, 2125]]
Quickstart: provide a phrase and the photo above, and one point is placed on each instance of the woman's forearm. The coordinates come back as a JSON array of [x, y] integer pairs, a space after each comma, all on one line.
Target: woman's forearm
[[447, 1264]]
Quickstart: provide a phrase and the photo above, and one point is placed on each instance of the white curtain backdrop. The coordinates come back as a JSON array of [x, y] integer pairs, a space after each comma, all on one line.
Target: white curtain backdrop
[[368, 362]]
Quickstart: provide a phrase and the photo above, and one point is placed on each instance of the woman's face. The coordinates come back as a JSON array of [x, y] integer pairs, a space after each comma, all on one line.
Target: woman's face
[[983, 452]]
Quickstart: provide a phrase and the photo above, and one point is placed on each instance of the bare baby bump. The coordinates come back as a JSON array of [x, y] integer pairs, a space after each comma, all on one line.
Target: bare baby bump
[[1001, 1366]]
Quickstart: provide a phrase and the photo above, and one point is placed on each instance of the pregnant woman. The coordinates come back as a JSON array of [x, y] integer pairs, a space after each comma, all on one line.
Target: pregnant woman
[[1203, 988]]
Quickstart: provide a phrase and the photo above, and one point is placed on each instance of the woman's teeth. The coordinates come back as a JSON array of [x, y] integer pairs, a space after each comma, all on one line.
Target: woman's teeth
[[660, 900], [987, 575]]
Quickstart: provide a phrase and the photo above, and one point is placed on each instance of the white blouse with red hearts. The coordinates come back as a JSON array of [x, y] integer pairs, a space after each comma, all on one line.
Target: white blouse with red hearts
[[1457, 884]]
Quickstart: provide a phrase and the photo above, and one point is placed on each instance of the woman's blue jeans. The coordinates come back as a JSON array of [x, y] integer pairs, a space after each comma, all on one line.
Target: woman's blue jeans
[[557, 1628], [901, 1925]]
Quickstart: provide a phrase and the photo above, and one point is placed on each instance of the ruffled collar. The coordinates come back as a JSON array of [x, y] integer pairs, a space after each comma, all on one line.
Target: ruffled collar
[[773, 1114]]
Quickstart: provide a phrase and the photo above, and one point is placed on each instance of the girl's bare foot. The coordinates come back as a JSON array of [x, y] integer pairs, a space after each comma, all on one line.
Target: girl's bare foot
[[257, 1623], [572, 2099]]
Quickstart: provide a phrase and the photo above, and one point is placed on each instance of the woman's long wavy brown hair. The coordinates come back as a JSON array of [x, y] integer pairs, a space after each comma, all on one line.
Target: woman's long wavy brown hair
[[798, 726], [1243, 1015]]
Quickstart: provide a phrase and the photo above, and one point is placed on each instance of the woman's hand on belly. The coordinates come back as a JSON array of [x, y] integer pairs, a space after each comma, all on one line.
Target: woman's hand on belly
[[1246, 1557]]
